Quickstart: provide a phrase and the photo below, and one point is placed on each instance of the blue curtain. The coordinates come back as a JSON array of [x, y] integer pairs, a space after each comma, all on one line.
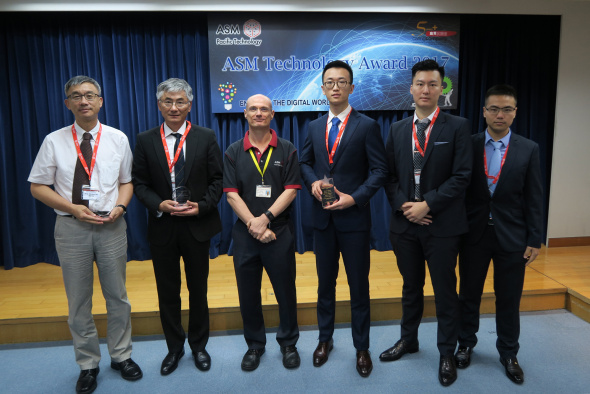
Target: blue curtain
[[130, 53]]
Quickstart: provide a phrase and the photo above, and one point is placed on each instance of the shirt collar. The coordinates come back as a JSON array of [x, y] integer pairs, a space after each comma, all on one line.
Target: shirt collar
[[505, 140], [168, 130], [429, 117], [342, 115], [273, 140], [80, 131]]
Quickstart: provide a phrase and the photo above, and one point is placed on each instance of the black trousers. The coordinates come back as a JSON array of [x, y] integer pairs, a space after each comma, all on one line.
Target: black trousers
[[411, 248], [166, 261], [278, 259], [509, 270], [355, 248]]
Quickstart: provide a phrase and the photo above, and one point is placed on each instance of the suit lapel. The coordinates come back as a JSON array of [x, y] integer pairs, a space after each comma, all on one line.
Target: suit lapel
[[479, 173], [320, 135], [161, 155], [191, 151], [438, 127], [351, 127], [511, 158]]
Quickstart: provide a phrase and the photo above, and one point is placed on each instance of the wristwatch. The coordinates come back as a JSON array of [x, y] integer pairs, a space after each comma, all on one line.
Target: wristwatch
[[270, 216], [124, 208]]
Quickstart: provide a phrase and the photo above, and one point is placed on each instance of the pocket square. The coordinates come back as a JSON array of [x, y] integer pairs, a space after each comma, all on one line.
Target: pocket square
[[440, 143]]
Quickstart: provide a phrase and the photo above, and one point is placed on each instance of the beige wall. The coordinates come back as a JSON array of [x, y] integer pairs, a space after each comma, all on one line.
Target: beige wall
[[570, 179]]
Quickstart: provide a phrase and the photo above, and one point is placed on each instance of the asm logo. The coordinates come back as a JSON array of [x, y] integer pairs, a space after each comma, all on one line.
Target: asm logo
[[228, 29], [278, 163]]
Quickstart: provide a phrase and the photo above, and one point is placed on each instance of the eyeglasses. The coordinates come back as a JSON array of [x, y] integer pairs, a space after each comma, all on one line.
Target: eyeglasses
[[496, 110], [179, 104], [330, 84], [90, 97]]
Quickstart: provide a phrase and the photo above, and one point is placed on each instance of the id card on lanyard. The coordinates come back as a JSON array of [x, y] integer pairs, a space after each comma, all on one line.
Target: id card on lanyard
[[262, 191], [88, 193], [418, 148]]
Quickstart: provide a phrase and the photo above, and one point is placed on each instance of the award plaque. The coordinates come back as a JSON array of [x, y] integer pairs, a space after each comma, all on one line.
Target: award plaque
[[181, 195], [328, 194]]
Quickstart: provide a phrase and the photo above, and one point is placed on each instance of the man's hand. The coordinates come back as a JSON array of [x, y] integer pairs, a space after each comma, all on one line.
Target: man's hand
[[316, 190], [530, 254], [267, 237], [417, 212], [344, 201], [83, 214], [115, 214], [190, 209], [170, 207], [258, 226]]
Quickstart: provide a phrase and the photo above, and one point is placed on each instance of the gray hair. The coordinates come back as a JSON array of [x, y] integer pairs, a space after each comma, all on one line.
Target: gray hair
[[79, 80], [175, 85]]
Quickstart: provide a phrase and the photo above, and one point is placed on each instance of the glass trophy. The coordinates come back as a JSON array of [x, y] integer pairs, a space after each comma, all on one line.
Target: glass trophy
[[328, 194], [181, 195]]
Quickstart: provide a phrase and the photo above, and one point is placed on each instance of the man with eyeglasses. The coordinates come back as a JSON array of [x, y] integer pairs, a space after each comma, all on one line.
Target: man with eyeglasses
[[348, 147], [261, 179], [89, 166], [504, 209], [179, 158], [429, 157]]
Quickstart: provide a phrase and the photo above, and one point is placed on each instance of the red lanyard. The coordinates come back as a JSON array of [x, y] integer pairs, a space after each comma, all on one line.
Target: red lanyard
[[81, 157], [342, 126], [416, 143], [178, 150], [485, 165]]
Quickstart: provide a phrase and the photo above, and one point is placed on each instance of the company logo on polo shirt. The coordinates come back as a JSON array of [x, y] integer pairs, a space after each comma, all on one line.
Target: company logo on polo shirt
[[278, 163]]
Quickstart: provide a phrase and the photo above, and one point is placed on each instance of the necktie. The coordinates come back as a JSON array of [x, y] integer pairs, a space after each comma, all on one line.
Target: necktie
[[333, 133], [421, 135], [495, 164], [179, 166], [80, 176]]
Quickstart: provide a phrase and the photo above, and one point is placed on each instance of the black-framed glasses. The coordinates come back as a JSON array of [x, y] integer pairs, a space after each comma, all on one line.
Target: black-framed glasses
[[90, 97], [179, 104], [330, 84], [496, 110]]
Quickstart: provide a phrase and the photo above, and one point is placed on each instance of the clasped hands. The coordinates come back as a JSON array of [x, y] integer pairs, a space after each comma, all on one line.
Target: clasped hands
[[258, 228], [84, 214], [417, 212]]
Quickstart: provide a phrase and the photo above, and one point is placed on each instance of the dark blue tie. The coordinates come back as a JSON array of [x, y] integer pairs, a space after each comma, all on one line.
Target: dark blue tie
[[333, 132], [179, 166], [495, 164]]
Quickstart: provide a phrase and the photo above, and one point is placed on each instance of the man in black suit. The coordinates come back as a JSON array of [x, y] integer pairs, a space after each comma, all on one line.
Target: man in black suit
[[348, 147], [504, 209], [429, 157], [180, 155]]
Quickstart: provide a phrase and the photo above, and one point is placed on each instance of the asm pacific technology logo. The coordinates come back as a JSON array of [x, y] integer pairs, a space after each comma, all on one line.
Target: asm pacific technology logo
[[252, 28]]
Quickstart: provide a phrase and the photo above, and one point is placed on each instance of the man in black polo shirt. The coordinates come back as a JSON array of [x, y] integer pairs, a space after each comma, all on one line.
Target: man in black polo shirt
[[260, 179]]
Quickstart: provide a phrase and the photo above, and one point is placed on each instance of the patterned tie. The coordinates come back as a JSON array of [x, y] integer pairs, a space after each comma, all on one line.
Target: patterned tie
[[179, 166], [80, 175], [333, 133], [421, 135], [494, 165]]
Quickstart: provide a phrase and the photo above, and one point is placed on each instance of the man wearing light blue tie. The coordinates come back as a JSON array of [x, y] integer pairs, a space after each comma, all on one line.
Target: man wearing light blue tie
[[504, 209]]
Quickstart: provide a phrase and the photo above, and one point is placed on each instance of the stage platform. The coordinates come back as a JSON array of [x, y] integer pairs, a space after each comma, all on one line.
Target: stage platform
[[33, 305]]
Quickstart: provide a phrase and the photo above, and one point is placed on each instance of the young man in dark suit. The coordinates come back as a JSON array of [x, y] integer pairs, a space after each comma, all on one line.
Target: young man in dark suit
[[429, 157], [173, 157], [504, 209], [346, 146]]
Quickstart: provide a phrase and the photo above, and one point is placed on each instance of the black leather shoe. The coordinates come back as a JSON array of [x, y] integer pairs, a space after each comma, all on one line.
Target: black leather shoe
[[251, 359], [364, 365], [513, 370], [290, 357], [202, 360], [321, 353], [463, 356], [447, 370], [86, 383], [170, 363], [129, 369], [400, 348]]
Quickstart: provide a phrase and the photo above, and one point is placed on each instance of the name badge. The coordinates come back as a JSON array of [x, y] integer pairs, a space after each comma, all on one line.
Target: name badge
[[263, 191], [89, 193]]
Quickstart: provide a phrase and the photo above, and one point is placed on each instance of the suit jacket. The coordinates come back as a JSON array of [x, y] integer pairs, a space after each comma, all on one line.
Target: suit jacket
[[517, 203], [203, 176], [446, 171], [359, 169]]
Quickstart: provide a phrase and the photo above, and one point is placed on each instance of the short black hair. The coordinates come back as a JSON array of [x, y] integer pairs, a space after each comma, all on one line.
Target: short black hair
[[428, 65], [337, 64], [501, 90]]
